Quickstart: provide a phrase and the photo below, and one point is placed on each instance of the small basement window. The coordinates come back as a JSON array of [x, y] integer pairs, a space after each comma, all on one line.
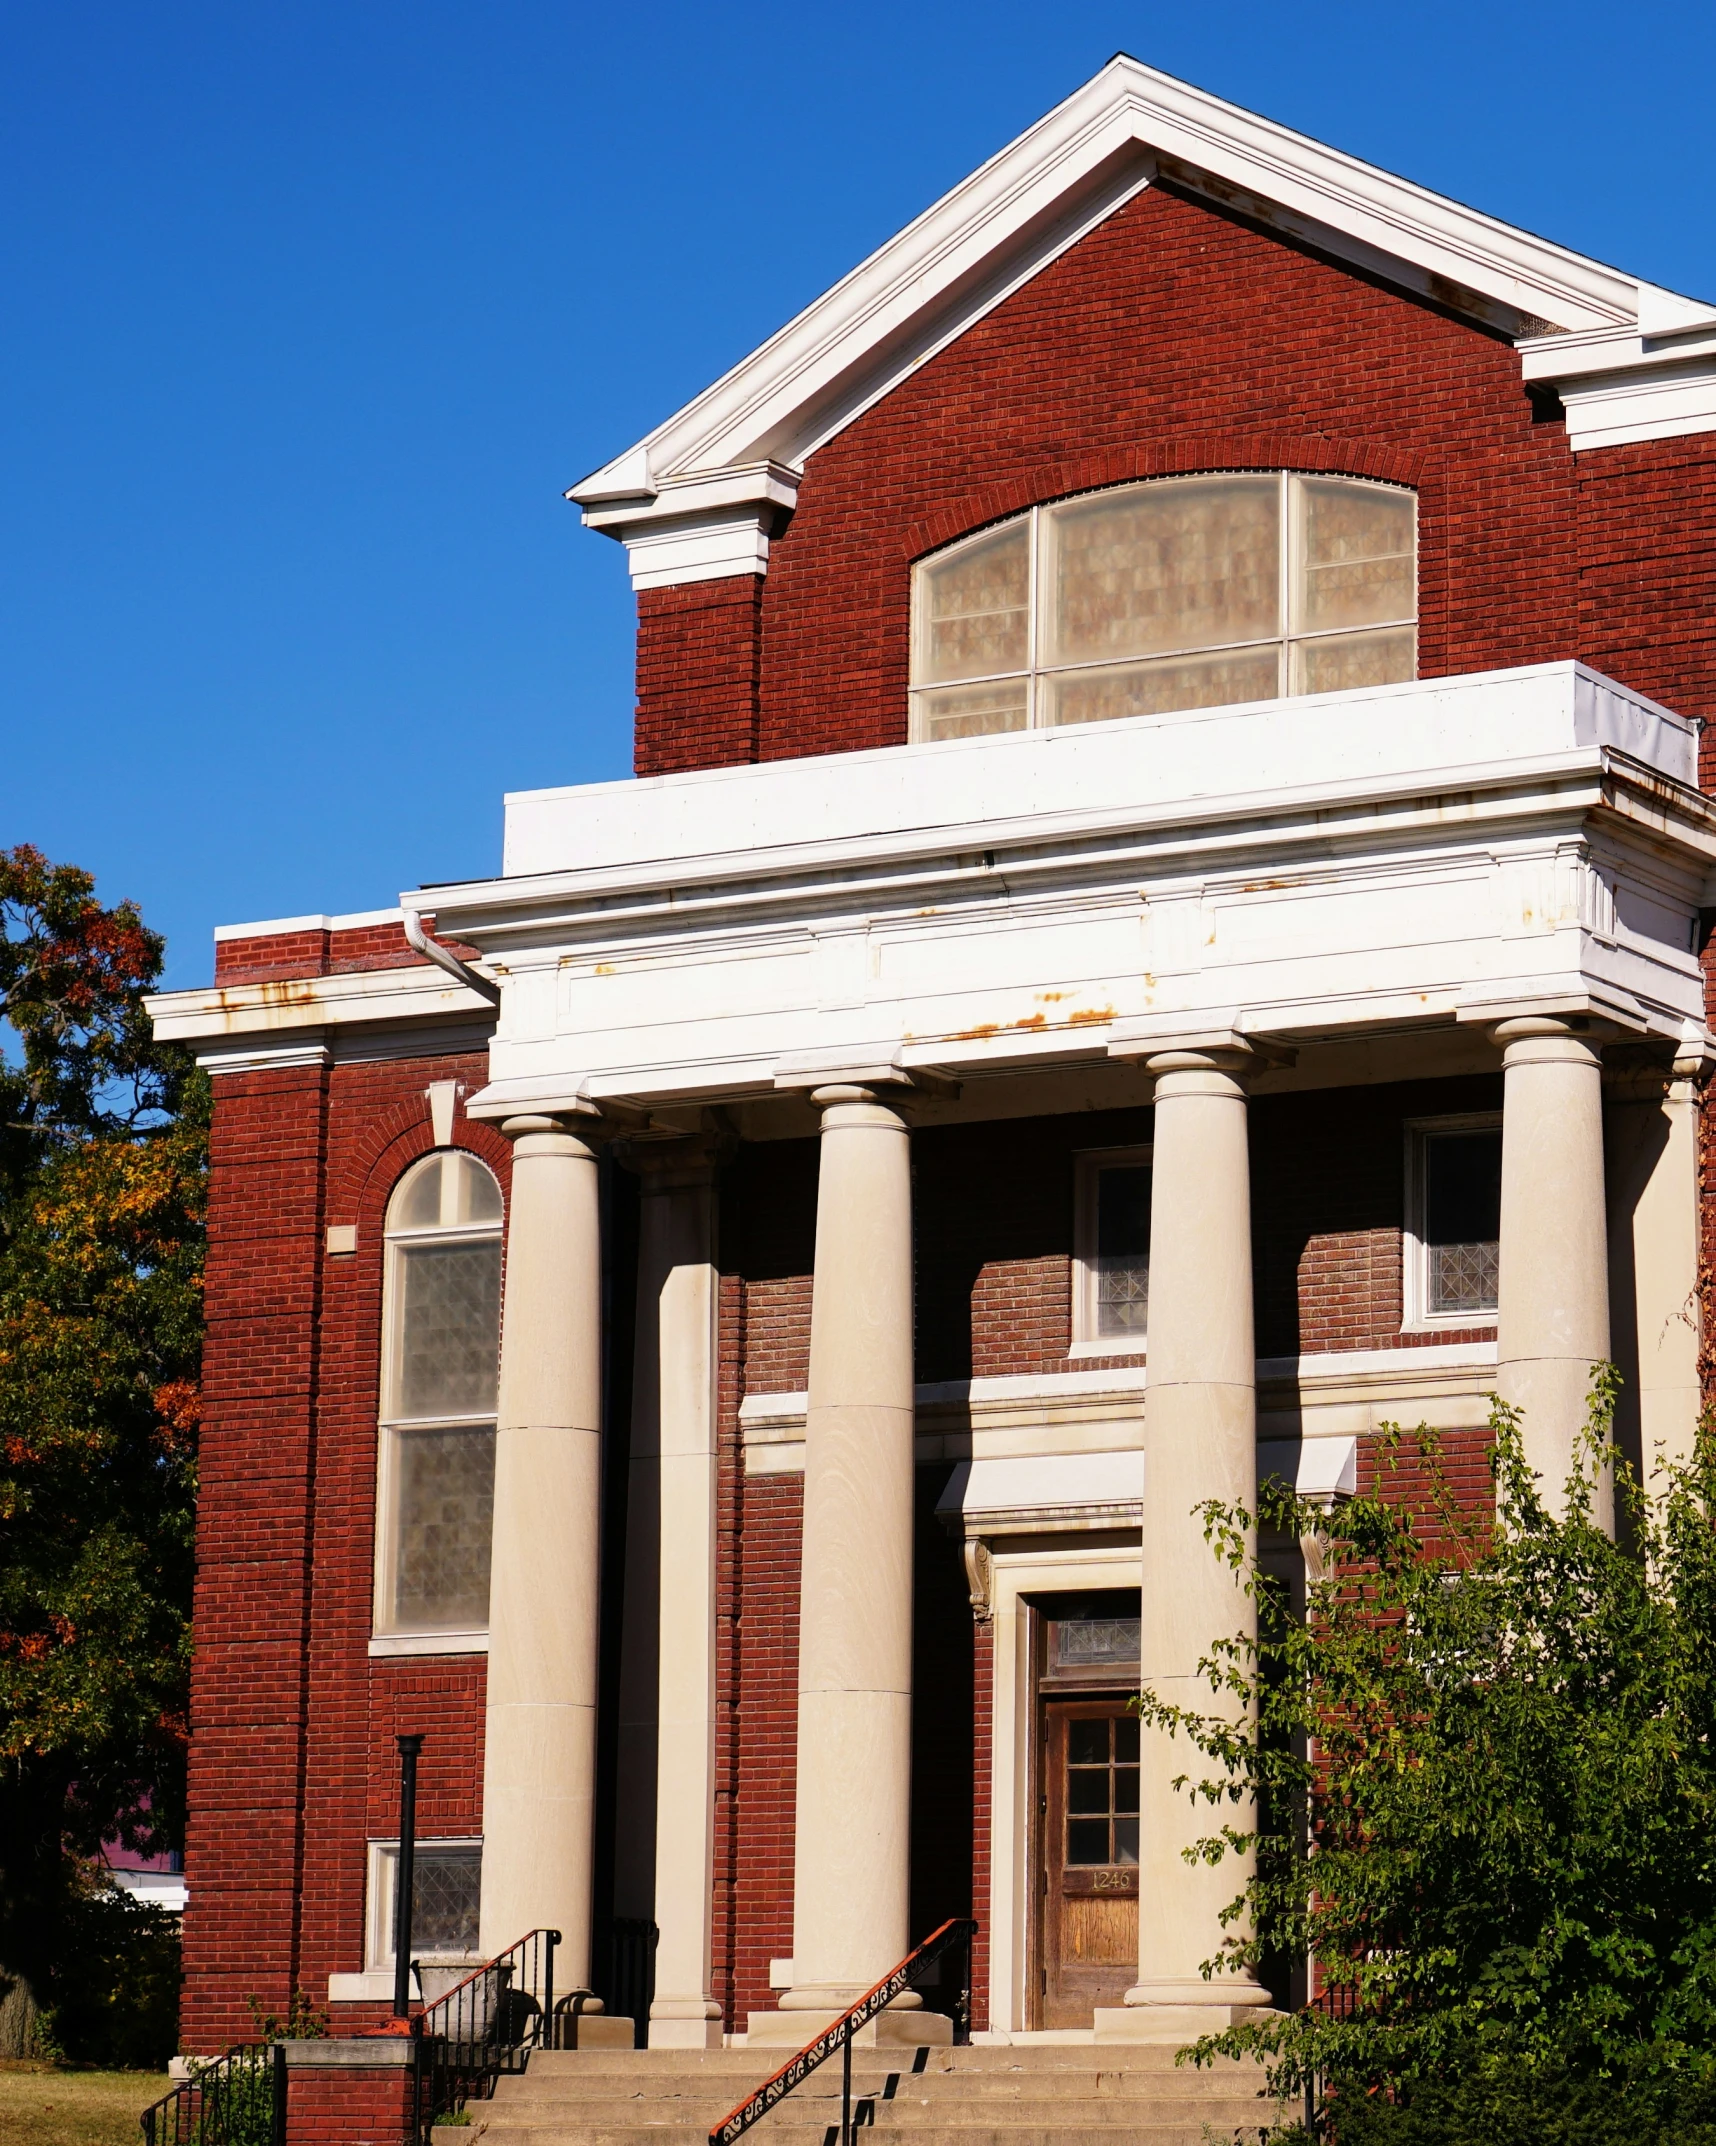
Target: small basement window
[[1111, 1264], [1453, 1235], [446, 1896]]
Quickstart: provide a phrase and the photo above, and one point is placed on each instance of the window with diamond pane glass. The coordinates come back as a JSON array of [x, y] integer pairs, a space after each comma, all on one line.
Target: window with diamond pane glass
[[446, 1895], [442, 1357], [1123, 1249], [1175, 593], [1462, 1220]]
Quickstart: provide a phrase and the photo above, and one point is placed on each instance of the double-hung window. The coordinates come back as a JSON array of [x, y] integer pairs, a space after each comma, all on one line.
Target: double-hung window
[[1111, 1263], [440, 1366], [1180, 592], [1453, 1233]]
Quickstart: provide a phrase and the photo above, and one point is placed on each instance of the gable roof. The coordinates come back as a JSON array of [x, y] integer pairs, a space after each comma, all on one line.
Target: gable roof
[[697, 492]]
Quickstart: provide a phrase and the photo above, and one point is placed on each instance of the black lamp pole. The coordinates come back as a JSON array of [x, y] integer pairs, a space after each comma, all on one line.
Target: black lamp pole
[[409, 1746]]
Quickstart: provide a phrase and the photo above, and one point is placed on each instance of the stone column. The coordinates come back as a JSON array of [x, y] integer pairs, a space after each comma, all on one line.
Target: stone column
[[1552, 1321], [850, 1858], [1665, 1268], [664, 1864], [1200, 1442], [539, 1753]]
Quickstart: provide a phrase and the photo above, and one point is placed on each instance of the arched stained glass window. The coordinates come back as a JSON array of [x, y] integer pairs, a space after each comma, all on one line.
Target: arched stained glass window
[[1181, 592], [440, 1366]]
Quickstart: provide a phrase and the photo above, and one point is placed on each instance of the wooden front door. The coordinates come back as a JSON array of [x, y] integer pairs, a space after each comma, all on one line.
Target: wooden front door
[[1088, 1857]]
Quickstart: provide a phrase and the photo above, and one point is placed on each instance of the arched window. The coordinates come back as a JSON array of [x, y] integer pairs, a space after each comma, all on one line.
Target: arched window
[[1182, 592], [439, 1370]]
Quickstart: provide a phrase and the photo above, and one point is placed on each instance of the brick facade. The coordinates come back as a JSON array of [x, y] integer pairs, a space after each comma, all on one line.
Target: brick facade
[[293, 1761], [1177, 336]]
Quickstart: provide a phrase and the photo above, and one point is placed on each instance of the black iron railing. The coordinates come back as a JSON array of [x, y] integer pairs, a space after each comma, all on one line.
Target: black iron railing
[[955, 1935], [238, 2099], [630, 1986], [486, 2026]]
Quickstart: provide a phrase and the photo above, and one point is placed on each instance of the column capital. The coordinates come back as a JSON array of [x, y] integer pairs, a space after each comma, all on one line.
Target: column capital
[[1538, 1038], [1216, 1042]]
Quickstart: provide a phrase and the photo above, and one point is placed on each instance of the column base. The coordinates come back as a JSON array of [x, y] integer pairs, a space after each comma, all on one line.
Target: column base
[[891, 2029], [598, 2030], [685, 2023], [1175, 2024]]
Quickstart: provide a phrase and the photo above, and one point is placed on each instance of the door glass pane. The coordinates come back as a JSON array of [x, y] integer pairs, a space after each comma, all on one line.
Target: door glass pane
[[1358, 556], [1126, 1739], [1126, 1840], [1087, 1790], [1087, 1743], [1347, 661], [974, 618], [1163, 688], [445, 1500], [1156, 568], [449, 1314], [1126, 1788], [1087, 1840]]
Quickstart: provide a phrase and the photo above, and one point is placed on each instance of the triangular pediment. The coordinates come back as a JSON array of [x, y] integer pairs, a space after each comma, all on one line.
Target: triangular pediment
[[745, 438]]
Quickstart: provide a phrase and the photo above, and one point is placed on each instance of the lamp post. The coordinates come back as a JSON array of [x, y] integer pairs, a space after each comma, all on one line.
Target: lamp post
[[409, 1747]]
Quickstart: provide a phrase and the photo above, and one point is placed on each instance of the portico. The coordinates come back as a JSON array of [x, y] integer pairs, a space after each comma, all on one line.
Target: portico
[[1498, 873]]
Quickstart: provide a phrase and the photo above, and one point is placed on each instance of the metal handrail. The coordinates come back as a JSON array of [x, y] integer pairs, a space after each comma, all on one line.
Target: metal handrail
[[958, 1929], [484, 2026], [220, 2103]]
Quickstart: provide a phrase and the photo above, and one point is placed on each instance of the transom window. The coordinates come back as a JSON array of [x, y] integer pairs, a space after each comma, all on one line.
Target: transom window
[[1182, 592], [440, 1365]]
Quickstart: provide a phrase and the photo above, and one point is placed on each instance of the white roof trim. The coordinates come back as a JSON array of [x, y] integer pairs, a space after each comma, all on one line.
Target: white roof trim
[[1031, 201], [278, 927]]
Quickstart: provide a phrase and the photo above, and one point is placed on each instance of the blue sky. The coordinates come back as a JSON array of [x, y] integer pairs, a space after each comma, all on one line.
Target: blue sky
[[310, 313]]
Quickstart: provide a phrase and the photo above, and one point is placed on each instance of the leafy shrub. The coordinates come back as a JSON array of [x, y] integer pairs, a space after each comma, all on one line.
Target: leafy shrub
[[1477, 1763], [113, 1989]]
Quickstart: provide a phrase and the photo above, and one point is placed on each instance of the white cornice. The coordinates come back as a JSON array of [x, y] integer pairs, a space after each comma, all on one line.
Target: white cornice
[[242, 1015], [1007, 221]]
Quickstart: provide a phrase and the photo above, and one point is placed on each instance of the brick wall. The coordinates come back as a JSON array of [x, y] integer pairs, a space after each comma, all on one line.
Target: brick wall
[[1178, 337], [350, 2105], [699, 653], [249, 1683], [293, 1764], [270, 957]]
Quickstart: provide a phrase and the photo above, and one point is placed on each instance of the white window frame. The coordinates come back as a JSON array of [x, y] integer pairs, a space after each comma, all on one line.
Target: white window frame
[[380, 1869], [1088, 1166], [1416, 1317], [1287, 640], [386, 1637]]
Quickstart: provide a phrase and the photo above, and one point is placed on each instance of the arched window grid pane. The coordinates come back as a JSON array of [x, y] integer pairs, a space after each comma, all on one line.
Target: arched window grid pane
[[1172, 594], [440, 1370]]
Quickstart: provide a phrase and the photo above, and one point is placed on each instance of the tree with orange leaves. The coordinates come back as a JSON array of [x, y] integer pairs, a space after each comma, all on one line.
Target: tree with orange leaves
[[102, 1166]]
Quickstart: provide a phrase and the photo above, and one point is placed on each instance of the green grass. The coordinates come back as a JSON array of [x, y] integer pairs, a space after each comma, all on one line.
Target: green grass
[[43, 2105]]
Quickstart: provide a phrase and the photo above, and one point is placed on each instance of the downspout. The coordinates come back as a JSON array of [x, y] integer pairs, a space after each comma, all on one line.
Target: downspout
[[443, 958]]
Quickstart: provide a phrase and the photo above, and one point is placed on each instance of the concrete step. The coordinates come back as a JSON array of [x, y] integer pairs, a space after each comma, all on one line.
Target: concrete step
[[1194, 2128]]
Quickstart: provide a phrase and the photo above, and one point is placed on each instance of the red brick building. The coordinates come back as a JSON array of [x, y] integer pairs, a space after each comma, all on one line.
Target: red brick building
[[1168, 723]]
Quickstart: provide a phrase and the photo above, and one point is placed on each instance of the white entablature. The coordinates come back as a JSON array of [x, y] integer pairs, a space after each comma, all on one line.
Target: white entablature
[[1399, 858], [696, 498]]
